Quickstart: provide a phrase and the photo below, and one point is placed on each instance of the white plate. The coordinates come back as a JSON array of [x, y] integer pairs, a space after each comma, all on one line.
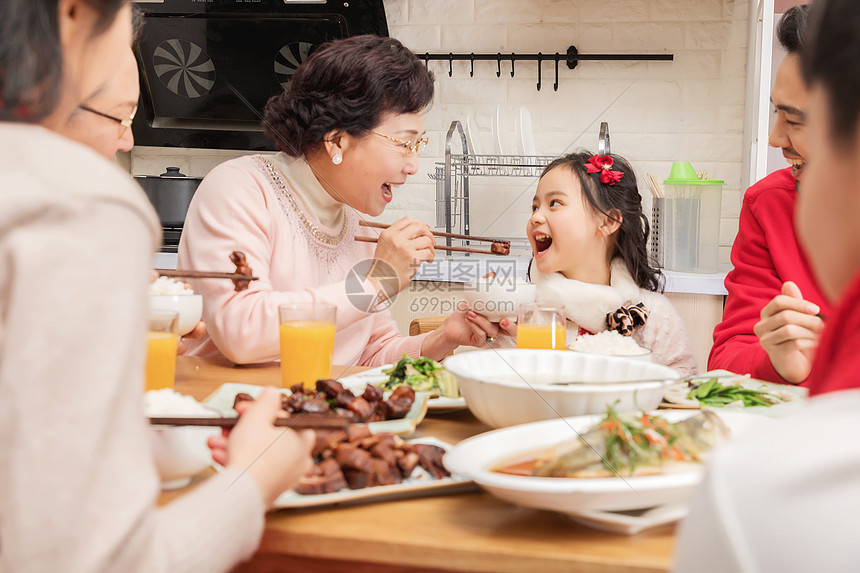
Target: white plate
[[357, 382], [631, 522], [470, 130], [525, 133], [798, 394], [420, 482], [222, 400], [497, 131], [475, 456]]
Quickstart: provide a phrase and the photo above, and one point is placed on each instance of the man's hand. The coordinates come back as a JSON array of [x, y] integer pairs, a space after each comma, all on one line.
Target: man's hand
[[788, 331]]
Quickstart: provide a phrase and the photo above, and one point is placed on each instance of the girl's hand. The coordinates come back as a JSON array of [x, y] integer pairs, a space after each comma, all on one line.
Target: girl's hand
[[788, 331], [275, 457], [463, 327], [508, 327], [404, 246]]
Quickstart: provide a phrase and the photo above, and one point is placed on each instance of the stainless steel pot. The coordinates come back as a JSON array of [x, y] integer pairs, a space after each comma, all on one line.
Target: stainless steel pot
[[170, 193]]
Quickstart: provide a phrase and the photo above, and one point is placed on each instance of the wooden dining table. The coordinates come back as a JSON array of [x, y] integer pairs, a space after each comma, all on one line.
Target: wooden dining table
[[466, 531]]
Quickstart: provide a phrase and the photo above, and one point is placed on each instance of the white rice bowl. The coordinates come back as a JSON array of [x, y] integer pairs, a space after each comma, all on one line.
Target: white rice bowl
[[609, 343], [180, 452]]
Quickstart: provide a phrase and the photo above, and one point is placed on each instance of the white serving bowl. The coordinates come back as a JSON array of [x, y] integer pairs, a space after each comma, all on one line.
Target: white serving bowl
[[515, 386], [498, 298], [644, 356], [189, 307], [476, 457]]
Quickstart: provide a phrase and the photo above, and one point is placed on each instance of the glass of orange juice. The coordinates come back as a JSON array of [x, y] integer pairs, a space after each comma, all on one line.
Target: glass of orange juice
[[541, 326], [307, 342], [162, 339]]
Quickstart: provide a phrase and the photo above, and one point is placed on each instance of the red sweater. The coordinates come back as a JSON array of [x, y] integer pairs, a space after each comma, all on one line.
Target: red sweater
[[837, 361], [765, 255]]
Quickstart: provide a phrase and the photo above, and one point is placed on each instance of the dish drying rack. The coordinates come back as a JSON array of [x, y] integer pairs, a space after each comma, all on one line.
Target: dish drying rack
[[453, 174]]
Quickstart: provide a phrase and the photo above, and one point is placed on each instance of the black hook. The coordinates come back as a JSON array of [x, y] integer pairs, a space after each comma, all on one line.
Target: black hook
[[450, 64], [572, 60], [540, 56], [513, 59], [472, 65], [426, 60], [555, 85], [499, 64]]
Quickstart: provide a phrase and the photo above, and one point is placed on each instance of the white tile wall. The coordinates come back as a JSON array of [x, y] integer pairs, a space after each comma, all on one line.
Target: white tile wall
[[690, 109]]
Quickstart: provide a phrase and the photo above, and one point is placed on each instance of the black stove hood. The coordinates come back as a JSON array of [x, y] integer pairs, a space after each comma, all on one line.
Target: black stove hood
[[207, 67]]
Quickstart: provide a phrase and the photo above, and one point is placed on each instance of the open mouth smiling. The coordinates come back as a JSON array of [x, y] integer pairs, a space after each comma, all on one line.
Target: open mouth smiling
[[542, 243], [797, 165]]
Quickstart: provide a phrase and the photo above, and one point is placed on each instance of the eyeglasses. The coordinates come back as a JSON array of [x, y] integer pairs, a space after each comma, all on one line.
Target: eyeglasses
[[409, 147], [125, 123]]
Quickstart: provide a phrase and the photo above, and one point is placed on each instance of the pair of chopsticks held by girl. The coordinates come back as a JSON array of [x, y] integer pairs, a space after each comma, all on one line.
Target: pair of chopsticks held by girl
[[589, 237]]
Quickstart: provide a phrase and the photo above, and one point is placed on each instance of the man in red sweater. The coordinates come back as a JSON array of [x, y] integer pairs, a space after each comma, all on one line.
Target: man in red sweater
[[783, 497], [773, 314]]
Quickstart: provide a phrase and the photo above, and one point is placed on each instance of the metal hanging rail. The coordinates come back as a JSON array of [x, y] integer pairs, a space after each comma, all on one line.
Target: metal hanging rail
[[571, 58]]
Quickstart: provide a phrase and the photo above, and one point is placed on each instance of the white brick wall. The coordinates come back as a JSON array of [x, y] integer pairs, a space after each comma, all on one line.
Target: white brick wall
[[691, 109]]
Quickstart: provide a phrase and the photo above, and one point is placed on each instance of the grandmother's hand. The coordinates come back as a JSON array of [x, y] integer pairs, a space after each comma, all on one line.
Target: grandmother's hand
[[404, 246], [788, 331]]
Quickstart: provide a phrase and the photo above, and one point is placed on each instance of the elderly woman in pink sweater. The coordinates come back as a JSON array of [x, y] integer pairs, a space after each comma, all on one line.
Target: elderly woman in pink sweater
[[349, 129]]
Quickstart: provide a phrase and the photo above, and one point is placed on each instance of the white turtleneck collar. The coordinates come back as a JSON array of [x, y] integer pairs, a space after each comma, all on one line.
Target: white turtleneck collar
[[300, 179], [587, 304]]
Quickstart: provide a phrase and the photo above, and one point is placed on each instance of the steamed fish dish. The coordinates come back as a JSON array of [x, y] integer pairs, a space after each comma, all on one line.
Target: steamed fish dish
[[634, 443]]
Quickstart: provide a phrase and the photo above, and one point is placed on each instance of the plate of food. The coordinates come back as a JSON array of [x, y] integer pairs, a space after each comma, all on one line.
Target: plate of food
[[397, 412], [421, 374], [610, 463], [351, 471], [721, 389]]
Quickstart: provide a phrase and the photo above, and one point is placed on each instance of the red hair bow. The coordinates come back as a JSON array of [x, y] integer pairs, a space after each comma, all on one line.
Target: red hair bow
[[602, 164]]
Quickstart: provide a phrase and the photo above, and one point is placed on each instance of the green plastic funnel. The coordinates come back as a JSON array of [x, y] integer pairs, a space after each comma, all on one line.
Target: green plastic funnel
[[682, 173]]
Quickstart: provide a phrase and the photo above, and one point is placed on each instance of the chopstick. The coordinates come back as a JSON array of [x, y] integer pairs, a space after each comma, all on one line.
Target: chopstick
[[440, 247], [296, 422], [203, 275], [654, 185], [364, 223]]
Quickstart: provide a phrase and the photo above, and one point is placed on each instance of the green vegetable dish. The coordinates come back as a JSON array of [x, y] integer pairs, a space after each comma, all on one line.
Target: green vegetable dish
[[743, 393], [423, 375]]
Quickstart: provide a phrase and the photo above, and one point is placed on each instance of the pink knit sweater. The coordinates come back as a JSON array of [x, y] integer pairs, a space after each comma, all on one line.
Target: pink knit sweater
[[242, 206]]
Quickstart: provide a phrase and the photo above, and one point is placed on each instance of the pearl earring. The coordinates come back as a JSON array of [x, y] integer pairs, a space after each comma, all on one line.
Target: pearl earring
[[336, 159]]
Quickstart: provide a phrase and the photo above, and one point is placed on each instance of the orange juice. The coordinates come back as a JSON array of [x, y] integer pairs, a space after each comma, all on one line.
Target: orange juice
[[549, 336], [160, 360], [307, 347]]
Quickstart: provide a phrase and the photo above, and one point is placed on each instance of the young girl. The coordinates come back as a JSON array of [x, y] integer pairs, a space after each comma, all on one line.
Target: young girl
[[589, 239]]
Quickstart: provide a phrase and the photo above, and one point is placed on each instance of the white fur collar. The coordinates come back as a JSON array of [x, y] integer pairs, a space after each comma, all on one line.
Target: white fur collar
[[587, 304]]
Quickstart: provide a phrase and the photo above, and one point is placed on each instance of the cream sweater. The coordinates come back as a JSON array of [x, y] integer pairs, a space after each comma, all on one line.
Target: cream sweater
[[241, 206], [77, 481], [783, 497], [586, 305]]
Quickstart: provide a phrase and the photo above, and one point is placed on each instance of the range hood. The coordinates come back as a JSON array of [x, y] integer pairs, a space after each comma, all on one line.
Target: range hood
[[208, 67]]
